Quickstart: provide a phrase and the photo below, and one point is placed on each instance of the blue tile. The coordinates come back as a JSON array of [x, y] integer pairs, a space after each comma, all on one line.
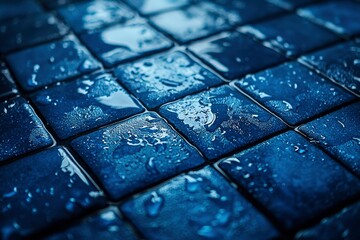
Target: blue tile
[[338, 133], [29, 30], [293, 179], [84, 104], [288, 89], [104, 225], [135, 154], [220, 120], [291, 34], [7, 85], [341, 63], [196, 21], [291, 4], [43, 190], [120, 43], [341, 17], [154, 6], [235, 55], [50, 63], [21, 130], [165, 78], [199, 205], [54, 4], [92, 15], [10, 9], [344, 225]]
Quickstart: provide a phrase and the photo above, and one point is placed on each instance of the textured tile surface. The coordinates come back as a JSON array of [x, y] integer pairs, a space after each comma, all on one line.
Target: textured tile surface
[[165, 78], [136, 153], [7, 85], [292, 178], [154, 6], [199, 205]]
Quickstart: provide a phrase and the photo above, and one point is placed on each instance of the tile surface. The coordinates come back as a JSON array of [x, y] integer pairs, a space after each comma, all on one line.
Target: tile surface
[[10, 9], [7, 85], [154, 6]]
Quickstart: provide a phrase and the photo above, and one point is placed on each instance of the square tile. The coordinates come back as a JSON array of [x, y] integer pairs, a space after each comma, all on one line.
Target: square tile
[[90, 15], [291, 34], [338, 133], [341, 17], [154, 6], [291, 4], [164, 78], [42, 190], [121, 43], [21, 130], [135, 154], [297, 183], [198, 205], [292, 91], [220, 120], [33, 29], [53, 62], [84, 104], [196, 21], [7, 85], [235, 55], [341, 63], [10, 9]]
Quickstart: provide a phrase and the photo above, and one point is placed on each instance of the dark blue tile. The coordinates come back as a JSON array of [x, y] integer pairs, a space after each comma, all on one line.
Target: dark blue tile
[[288, 90], [7, 85], [338, 133], [344, 225], [154, 6], [220, 120], [92, 15], [104, 225], [21, 130], [199, 205], [120, 43], [293, 179], [165, 78], [135, 154], [54, 4], [84, 104], [10, 9], [43, 190], [50, 63], [235, 55], [291, 34], [341, 17], [29, 30], [196, 21], [291, 4], [341, 63]]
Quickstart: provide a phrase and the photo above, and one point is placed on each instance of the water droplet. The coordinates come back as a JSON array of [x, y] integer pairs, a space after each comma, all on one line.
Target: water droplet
[[192, 184], [207, 232], [154, 204], [151, 166]]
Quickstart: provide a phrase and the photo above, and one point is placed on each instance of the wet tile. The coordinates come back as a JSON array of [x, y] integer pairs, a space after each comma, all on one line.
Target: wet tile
[[135, 154], [10, 9], [338, 133], [85, 104], [42, 190], [291, 4], [155, 6], [7, 85], [220, 120], [291, 34], [54, 4], [344, 225], [165, 78], [292, 178], [196, 21], [104, 225], [50, 63], [199, 205], [120, 43], [235, 55], [33, 29], [92, 15], [341, 63], [288, 90], [21, 130], [341, 17]]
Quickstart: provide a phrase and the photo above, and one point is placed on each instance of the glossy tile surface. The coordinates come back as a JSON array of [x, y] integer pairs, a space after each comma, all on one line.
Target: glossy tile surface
[[292, 178], [154, 6], [85, 104], [199, 205], [164, 78], [136, 153], [7, 85]]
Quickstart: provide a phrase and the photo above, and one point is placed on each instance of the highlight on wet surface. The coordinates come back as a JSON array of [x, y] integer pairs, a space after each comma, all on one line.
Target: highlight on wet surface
[[154, 6]]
